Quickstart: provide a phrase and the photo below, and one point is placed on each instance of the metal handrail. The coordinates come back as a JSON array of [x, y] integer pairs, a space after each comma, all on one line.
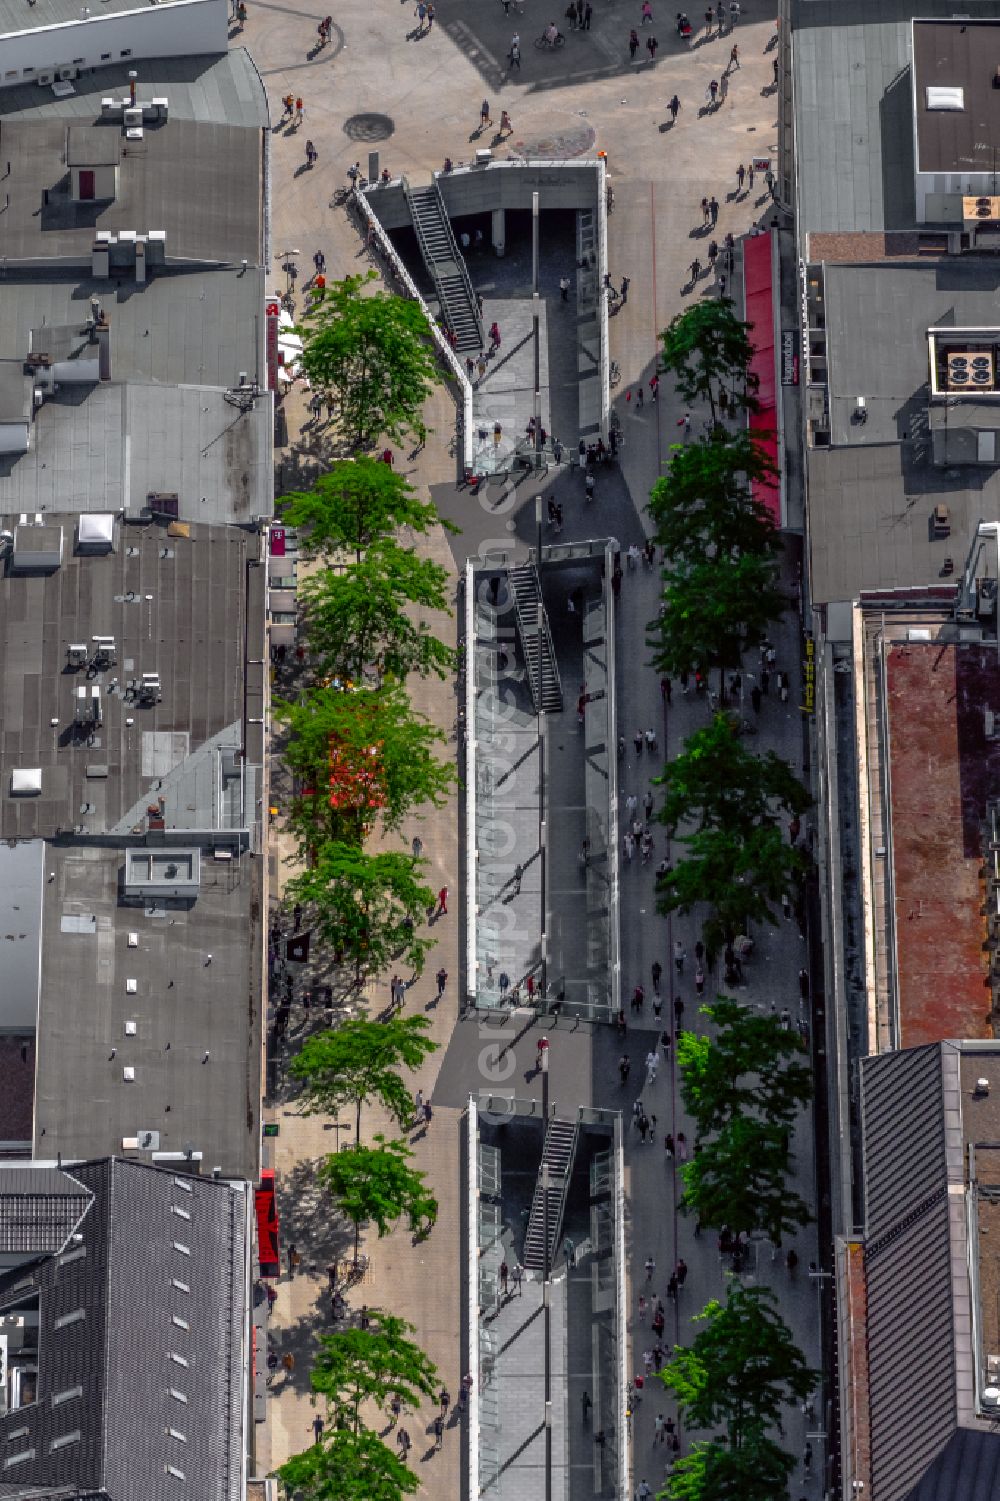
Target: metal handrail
[[431, 261]]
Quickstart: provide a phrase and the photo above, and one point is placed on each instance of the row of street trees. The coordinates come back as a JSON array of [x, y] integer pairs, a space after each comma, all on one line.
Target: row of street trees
[[726, 809], [723, 805], [363, 759], [742, 1087]]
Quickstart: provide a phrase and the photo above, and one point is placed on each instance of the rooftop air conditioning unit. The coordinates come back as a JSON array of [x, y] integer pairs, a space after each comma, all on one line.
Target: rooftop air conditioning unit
[[45, 78], [970, 370], [67, 73]]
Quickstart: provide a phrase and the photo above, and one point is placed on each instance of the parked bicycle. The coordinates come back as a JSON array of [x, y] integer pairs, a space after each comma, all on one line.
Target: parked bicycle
[[548, 40]]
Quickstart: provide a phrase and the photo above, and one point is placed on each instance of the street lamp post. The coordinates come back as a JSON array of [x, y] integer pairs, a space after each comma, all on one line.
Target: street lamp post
[[543, 1050]]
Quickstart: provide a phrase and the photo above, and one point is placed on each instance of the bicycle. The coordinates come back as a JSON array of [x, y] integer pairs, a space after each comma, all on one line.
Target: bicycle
[[544, 41]]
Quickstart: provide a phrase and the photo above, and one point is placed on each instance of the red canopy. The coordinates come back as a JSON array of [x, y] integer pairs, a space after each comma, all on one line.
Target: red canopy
[[758, 269], [267, 1226]]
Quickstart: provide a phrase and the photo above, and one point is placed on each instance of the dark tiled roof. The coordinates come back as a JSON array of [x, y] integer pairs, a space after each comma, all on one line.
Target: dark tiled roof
[[157, 1287], [40, 1209], [903, 1135]]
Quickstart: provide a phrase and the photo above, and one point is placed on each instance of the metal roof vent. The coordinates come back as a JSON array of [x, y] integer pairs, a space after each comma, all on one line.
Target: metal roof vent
[[939, 96], [982, 1089], [26, 781]]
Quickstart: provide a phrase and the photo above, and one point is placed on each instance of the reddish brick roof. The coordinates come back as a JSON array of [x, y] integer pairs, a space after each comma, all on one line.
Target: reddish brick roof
[[943, 771]]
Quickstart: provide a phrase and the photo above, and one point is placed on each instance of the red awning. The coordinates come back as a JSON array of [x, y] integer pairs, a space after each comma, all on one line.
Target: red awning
[[267, 1227], [759, 301]]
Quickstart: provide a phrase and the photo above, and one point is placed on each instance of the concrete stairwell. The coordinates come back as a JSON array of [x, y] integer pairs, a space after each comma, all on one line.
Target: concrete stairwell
[[558, 1152], [536, 639], [446, 265]]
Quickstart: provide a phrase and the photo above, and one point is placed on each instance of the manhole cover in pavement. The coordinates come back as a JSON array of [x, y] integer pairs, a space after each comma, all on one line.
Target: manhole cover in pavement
[[369, 127], [560, 140]]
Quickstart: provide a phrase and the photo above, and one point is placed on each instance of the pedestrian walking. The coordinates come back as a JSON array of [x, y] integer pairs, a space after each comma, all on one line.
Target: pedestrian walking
[[442, 980], [741, 173], [724, 88], [438, 1431], [675, 108], [750, 177], [657, 972], [628, 846], [442, 902], [755, 698], [444, 1401], [317, 1428], [293, 1259], [650, 1265], [588, 11], [504, 1277], [484, 115], [682, 1272], [652, 1066], [672, 1286], [699, 980], [734, 59], [626, 283], [665, 1043], [506, 127], [695, 269], [647, 804], [713, 92], [651, 46], [706, 212], [668, 1144], [518, 1275], [682, 1147], [678, 1012], [514, 55], [647, 12], [679, 956], [709, 18], [633, 44]]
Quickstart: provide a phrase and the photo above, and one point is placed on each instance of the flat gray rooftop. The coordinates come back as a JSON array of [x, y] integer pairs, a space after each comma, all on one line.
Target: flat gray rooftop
[[873, 491], [32, 15], [182, 1007], [854, 111], [957, 53], [198, 182], [219, 89], [180, 328], [176, 606], [21, 884], [84, 455]]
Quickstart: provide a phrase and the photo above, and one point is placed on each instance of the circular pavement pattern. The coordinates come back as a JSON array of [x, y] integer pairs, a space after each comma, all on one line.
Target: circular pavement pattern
[[369, 127], [555, 140]]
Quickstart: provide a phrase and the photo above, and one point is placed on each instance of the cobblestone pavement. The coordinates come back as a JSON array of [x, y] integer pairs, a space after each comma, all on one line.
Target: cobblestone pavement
[[416, 98]]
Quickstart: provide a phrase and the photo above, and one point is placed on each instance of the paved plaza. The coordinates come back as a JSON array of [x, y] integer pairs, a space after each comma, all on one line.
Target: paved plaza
[[415, 98]]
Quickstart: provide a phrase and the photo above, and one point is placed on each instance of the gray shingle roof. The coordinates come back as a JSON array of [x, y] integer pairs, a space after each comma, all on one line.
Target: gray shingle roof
[[148, 1367]]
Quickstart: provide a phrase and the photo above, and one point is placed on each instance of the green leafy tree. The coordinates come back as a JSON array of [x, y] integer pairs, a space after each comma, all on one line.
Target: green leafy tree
[[376, 1184], [741, 1369], [365, 908], [739, 1179], [371, 1365], [712, 611], [360, 1061], [716, 782], [712, 1471], [740, 875], [356, 621], [372, 350], [359, 756], [707, 347], [751, 1065], [348, 1467], [354, 504], [704, 504]]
